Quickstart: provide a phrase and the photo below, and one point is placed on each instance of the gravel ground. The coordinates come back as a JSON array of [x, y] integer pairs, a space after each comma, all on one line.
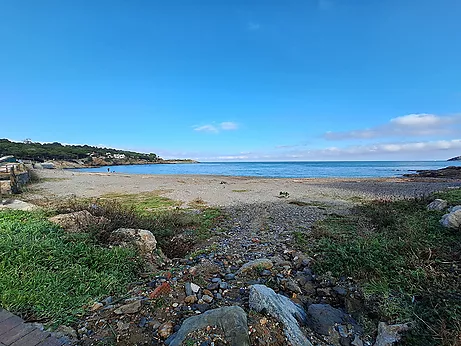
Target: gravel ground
[[227, 191]]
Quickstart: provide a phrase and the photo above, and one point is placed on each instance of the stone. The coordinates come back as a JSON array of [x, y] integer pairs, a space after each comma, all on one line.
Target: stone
[[229, 277], [291, 286], [340, 290], [96, 306], [452, 220], [190, 299], [323, 318], [231, 319], [16, 204], [223, 285], [195, 288], [390, 334], [142, 239], [437, 204], [63, 330], [78, 221], [165, 330], [213, 286], [263, 298], [455, 208], [188, 289], [205, 269], [129, 308], [207, 299], [357, 341], [123, 326], [266, 272], [262, 263], [207, 292]]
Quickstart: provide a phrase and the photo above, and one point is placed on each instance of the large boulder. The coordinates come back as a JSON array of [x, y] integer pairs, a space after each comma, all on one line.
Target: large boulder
[[263, 298], [142, 239], [78, 221], [390, 334], [231, 319], [437, 204], [452, 220]]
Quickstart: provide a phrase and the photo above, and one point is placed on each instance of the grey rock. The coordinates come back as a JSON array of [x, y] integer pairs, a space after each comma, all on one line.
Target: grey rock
[[231, 319], [207, 299], [323, 318], [357, 341], [263, 263], [188, 289], [263, 298], [142, 239], [78, 221], [455, 208], [390, 334], [16, 204], [129, 308], [437, 204], [290, 285], [266, 272], [229, 277], [452, 220], [340, 290]]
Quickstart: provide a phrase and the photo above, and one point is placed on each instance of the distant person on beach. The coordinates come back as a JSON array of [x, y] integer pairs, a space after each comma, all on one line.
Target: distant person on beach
[[108, 170]]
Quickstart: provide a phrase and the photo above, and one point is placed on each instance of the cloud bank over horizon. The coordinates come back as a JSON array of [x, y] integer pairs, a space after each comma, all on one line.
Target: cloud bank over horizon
[[414, 125]]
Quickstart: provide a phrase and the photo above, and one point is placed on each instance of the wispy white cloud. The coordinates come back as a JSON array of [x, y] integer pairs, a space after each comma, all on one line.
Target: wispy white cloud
[[253, 26], [415, 125], [206, 128], [228, 126], [210, 128]]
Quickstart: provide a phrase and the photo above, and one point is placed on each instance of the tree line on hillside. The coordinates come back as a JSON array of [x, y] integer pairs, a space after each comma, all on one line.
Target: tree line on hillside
[[29, 150]]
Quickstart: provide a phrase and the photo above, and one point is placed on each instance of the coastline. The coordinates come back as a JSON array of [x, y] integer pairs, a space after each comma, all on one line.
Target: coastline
[[232, 190], [64, 164]]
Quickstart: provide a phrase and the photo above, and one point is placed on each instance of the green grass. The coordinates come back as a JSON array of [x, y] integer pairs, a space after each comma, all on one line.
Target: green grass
[[452, 196], [239, 190], [407, 263], [145, 202], [48, 275]]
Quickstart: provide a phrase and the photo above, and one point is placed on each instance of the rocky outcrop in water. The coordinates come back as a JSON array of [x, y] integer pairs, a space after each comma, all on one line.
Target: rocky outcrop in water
[[451, 172]]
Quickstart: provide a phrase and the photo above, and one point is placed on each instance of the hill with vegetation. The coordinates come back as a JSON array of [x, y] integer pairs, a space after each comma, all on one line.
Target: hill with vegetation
[[29, 150]]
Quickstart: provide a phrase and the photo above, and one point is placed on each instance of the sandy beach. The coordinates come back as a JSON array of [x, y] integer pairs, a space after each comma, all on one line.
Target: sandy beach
[[229, 191]]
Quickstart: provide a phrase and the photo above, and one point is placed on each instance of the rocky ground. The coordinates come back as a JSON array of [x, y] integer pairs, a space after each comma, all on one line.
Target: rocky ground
[[252, 246]]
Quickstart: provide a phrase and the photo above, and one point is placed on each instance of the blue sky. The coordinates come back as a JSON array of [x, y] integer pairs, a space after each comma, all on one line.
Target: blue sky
[[236, 80]]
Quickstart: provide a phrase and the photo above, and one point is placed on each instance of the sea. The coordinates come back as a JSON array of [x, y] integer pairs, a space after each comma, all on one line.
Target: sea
[[310, 169]]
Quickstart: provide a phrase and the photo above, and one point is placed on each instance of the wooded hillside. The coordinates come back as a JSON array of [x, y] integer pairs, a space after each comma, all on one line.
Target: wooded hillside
[[28, 150]]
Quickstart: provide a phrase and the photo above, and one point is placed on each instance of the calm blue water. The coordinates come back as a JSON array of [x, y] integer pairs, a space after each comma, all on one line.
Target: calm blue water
[[324, 169]]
